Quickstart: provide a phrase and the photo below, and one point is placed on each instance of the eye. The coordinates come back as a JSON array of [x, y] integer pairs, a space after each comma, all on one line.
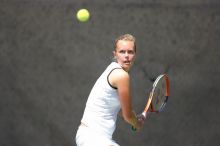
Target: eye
[[131, 52], [122, 51]]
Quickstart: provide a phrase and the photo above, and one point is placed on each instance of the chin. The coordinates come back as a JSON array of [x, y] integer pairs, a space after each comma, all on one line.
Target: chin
[[126, 68]]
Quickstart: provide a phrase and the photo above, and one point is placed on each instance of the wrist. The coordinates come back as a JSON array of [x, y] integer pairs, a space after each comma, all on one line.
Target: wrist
[[134, 122]]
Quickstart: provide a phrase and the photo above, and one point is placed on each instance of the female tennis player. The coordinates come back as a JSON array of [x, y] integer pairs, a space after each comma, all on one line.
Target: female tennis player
[[109, 97]]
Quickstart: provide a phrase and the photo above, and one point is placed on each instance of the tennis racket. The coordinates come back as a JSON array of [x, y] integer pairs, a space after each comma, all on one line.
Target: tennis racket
[[158, 96]]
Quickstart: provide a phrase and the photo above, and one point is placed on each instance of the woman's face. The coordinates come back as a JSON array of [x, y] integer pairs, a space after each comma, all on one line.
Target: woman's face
[[125, 54]]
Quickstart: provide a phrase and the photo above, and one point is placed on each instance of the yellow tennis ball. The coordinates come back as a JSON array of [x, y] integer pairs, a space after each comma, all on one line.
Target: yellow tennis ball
[[83, 15]]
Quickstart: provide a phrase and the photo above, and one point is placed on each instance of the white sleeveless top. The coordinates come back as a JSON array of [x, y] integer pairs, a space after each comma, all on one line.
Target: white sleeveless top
[[103, 105]]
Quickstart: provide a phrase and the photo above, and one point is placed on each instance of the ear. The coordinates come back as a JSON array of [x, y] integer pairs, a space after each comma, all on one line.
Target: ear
[[114, 53], [114, 56]]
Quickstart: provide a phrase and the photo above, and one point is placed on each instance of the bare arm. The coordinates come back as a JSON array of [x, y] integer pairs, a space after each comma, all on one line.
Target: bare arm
[[120, 79]]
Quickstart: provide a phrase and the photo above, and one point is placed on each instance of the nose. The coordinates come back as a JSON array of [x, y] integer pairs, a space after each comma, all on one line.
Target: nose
[[126, 54]]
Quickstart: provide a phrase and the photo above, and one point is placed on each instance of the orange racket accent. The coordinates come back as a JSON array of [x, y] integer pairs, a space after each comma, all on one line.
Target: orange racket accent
[[168, 85], [147, 105]]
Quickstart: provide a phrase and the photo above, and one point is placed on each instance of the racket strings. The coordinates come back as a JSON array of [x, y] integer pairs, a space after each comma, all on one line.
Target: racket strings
[[160, 94]]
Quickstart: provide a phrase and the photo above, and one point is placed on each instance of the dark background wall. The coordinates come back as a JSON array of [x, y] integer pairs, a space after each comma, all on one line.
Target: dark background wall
[[49, 62]]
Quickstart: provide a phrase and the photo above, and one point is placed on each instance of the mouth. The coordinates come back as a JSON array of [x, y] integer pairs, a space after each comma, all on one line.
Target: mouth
[[127, 62]]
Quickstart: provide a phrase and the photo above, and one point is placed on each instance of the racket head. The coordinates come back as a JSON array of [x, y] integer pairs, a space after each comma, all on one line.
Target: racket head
[[160, 93]]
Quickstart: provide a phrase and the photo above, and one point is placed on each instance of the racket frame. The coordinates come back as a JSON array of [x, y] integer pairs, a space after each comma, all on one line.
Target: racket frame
[[150, 99], [167, 92]]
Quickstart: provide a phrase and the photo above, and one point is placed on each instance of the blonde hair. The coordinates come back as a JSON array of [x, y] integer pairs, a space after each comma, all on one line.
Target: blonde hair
[[126, 37]]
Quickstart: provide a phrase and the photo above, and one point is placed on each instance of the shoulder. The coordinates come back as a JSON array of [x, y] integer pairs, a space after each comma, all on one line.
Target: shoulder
[[117, 76], [119, 73]]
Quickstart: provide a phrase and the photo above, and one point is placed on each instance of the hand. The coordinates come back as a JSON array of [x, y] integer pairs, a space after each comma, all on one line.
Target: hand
[[141, 118], [140, 122]]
